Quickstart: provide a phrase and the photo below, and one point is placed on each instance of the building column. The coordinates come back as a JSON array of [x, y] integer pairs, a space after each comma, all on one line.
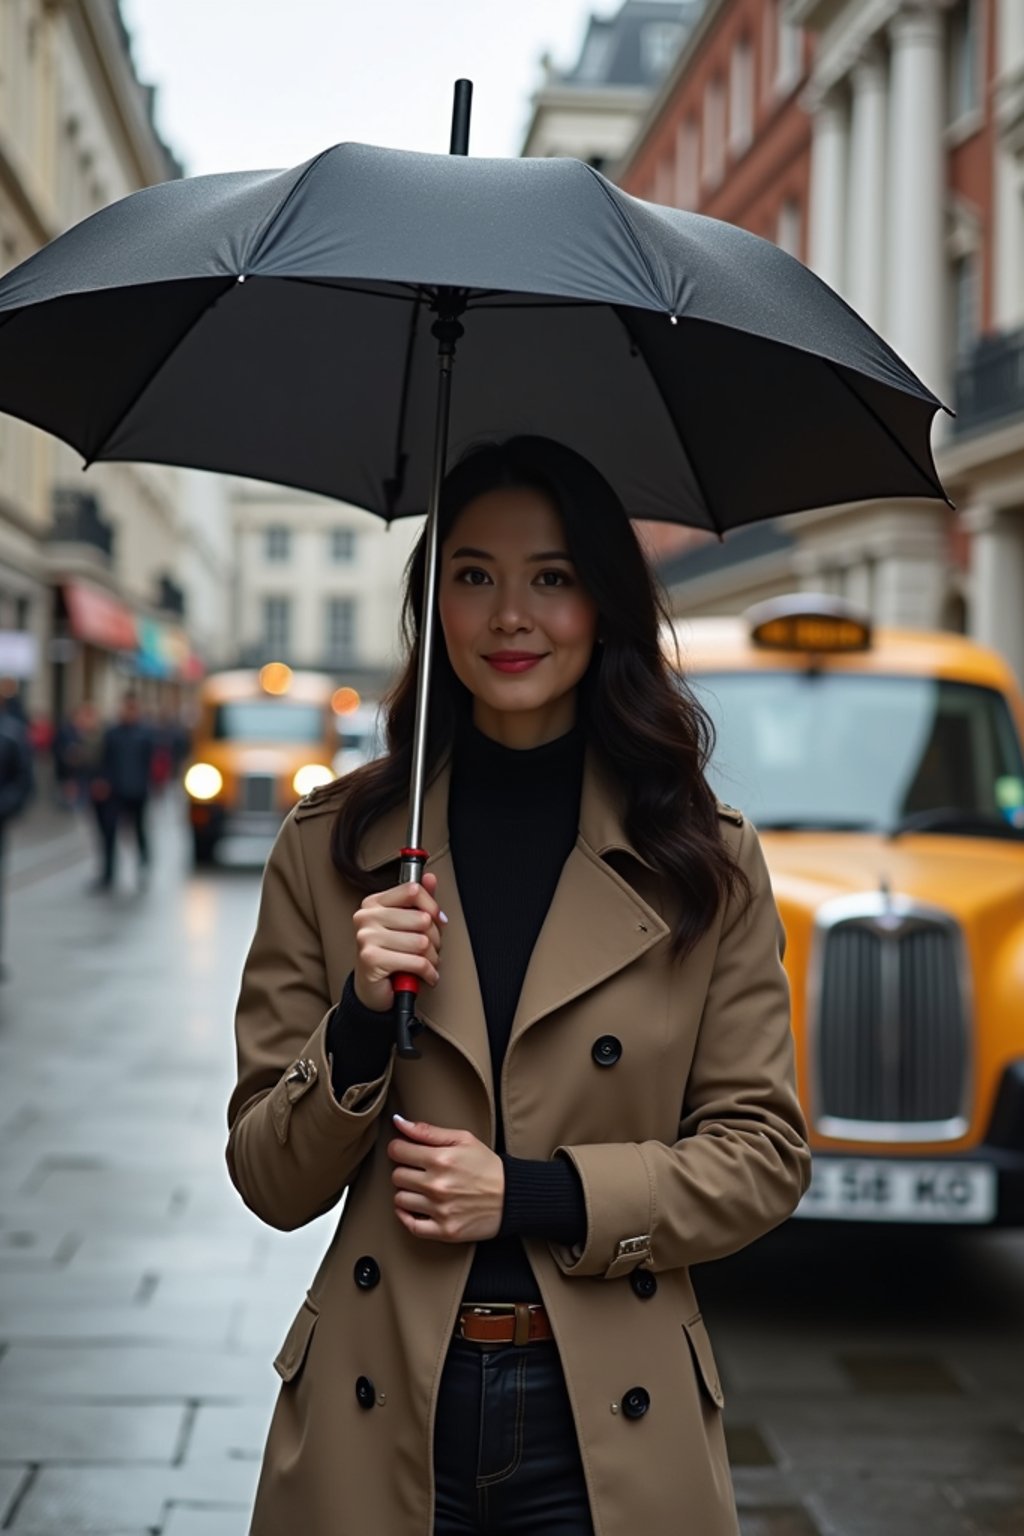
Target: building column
[[828, 189], [867, 186], [996, 607], [915, 311], [1008, 209]]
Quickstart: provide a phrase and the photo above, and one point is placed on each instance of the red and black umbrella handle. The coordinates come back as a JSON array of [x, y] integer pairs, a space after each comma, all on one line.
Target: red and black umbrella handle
[[406, 988]]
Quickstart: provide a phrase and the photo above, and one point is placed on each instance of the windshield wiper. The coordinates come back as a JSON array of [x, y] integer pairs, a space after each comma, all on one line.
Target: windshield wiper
[[952, 820]]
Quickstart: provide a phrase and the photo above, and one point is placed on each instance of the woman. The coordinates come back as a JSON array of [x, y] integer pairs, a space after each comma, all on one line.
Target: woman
[[503, 1336]]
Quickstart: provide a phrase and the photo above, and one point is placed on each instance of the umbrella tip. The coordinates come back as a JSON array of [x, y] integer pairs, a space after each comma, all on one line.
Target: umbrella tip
[[461, 109]]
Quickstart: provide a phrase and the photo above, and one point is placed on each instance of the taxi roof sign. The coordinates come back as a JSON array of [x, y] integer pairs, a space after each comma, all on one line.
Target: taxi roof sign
[[808, 621]]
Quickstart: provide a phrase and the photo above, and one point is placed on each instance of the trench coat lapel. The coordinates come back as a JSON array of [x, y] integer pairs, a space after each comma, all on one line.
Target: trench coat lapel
[[454, 1008], [596, 924]]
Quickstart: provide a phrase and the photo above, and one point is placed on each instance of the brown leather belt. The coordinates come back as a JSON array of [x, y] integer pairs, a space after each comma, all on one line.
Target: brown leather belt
[[504, 1323]]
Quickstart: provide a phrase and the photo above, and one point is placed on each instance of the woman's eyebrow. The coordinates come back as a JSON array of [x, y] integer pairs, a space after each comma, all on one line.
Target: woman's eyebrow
[[475, 554]]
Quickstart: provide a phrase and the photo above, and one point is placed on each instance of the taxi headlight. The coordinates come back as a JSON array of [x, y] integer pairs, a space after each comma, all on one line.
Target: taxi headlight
[[203, 781], [311, 776]]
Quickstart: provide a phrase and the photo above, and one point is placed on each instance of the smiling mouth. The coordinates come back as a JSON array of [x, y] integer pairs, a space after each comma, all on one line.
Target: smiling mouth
[[514, 661]]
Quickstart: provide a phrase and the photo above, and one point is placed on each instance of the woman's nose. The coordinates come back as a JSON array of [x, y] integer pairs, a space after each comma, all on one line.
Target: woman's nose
[[510, 614]]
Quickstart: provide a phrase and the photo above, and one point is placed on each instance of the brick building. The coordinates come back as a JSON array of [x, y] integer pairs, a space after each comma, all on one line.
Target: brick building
[[881, 141]]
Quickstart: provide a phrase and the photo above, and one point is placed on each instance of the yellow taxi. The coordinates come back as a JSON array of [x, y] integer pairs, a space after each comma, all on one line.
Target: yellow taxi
[[885, 774], [262, 740]]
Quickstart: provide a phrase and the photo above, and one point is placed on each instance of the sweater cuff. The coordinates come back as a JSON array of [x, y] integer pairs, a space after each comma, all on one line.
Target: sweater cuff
[[358, 1041], [543, 1200]]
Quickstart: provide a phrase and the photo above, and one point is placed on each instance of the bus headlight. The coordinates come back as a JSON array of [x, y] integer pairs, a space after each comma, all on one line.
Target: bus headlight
[[203, 781], [310, 776]]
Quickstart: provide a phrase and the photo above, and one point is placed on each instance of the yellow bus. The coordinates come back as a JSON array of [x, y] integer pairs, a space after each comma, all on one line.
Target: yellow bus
[[262, 740]]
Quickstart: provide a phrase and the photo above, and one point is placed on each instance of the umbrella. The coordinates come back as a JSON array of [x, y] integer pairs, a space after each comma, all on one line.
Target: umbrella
[[294, 326]]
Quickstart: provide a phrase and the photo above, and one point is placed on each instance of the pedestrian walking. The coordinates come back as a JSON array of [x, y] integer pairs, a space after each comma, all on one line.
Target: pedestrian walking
[[503, 1335], [122, 788], [17, 780]]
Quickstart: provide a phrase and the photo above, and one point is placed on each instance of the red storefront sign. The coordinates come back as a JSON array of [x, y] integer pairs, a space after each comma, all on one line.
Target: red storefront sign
[[98, 618]]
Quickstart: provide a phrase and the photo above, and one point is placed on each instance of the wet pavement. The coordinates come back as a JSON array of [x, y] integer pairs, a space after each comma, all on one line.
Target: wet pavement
[[875, 1382]]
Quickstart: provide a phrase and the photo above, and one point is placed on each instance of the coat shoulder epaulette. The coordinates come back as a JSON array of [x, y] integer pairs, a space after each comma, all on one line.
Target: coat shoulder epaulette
[[320, 801], [729, 813]]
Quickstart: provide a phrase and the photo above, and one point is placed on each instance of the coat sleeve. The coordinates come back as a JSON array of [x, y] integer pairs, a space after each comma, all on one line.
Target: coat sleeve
[[292, 1146], [741, 1162]]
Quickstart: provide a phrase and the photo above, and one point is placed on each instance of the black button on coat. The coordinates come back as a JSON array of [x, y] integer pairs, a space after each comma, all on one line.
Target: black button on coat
[[366, 1273], [636, 1402], [606, 1051], [644, 1283], [366, 1392]]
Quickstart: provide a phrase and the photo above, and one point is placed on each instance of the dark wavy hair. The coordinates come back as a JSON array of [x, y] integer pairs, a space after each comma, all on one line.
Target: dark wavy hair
[[650, 732]]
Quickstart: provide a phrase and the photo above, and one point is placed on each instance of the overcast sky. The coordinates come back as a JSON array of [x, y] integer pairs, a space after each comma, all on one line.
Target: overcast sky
[[247, 84]]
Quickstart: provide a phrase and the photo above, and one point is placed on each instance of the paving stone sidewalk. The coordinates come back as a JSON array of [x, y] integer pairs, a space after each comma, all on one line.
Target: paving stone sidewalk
[[874, 1381]]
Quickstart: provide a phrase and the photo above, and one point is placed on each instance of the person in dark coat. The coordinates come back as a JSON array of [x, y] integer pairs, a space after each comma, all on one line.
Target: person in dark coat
[[17, 777], [123, 786]]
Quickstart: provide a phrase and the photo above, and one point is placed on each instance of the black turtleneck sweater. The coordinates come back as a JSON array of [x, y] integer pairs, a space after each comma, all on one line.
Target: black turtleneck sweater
[[512, 819]]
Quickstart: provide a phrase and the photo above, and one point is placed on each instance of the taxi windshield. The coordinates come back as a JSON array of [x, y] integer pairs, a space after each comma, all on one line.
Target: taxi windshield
[[859, 752], [268, 720]]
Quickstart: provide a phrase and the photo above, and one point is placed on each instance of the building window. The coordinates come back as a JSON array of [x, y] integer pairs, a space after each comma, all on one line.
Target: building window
[[741, 96], [687, 164], [714, 131], [277, 625], [343, 545], [278, 542], [965, 304], [783, 61], [341, 631], [788, 228], [964, 59], [659, 44]]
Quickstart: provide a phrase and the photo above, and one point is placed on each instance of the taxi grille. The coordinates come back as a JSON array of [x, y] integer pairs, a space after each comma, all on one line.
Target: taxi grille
[[892, 1027], [257, 792]]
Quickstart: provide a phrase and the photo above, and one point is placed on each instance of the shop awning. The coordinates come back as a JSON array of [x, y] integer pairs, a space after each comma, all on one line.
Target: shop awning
[[98, 618]]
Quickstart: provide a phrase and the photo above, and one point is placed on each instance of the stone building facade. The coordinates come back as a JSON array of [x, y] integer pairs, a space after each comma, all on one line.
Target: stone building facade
[[117, 573], [318, 584]]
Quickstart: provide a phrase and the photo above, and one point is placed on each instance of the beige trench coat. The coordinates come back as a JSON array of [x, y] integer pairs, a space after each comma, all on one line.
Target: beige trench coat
[[690, 1146]]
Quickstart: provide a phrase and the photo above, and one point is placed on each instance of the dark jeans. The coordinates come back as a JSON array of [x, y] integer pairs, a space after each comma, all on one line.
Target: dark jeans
[[506, 1460], [110, 814]]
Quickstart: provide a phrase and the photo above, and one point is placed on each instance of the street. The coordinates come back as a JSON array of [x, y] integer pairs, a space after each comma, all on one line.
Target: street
[[874, 1381]]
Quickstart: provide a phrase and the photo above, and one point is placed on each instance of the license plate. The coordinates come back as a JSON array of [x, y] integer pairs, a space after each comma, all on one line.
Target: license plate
[[846, 1189]]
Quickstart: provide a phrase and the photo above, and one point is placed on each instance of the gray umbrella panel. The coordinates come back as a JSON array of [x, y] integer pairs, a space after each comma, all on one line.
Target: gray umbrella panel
[[277, 325]]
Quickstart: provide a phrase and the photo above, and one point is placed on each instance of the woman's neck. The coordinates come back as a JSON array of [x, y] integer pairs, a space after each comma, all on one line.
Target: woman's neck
[[521, 730]]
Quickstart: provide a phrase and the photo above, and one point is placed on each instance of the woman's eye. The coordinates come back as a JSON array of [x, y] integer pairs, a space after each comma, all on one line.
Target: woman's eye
[[472, 576], [555, 579]]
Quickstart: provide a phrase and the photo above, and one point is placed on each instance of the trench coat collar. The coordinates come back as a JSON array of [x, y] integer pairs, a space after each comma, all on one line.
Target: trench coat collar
[[596, 924], [601, 819]]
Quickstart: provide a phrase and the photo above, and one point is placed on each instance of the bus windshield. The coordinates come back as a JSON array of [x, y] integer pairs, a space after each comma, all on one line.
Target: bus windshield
[[809, 750], [268, 720]]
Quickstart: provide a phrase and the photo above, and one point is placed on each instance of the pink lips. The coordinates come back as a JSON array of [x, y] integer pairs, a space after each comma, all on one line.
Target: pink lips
[[513, 661]]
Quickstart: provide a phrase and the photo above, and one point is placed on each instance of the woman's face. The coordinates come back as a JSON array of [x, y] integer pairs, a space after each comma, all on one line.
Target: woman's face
[[519, 627]]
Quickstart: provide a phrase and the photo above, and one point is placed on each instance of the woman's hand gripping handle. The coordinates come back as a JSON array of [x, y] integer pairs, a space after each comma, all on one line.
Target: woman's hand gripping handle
[[398, 946]]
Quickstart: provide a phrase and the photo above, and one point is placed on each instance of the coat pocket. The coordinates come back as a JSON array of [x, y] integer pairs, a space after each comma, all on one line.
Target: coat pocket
[[704, 1359], [295, 1347]]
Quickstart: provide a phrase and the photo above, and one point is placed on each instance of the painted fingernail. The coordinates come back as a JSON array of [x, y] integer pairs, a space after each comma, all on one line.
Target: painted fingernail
[[444, 917]]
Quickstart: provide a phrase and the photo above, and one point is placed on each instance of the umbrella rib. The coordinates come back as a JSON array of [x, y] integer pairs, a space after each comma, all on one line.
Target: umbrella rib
[[97, 452], [628, 227], [261, 235], [713, 520], [929, 475]]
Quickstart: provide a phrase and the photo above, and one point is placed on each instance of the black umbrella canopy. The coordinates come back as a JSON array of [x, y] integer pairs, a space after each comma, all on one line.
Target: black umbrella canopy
[[276, 324]]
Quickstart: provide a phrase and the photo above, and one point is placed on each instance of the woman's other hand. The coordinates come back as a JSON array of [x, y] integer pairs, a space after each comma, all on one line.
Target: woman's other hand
[[448, 1185], [396, 930]]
